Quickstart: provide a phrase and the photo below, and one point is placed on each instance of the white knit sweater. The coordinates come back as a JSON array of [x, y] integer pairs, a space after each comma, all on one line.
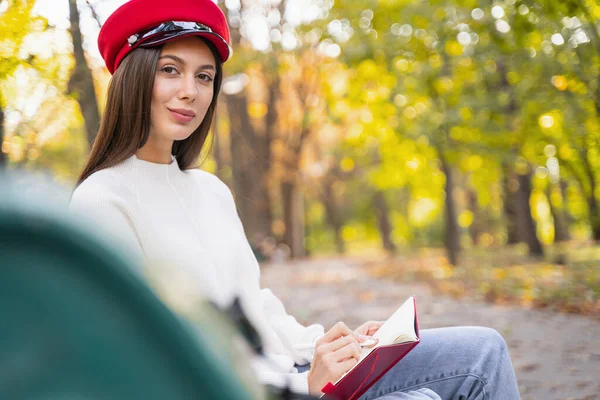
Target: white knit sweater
[[186, 227]]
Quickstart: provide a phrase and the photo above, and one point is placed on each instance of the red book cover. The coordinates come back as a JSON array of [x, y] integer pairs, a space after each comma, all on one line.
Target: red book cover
[[370, 369]]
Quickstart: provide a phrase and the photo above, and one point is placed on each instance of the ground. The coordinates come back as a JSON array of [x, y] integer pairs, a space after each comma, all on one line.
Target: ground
[[555, 355]]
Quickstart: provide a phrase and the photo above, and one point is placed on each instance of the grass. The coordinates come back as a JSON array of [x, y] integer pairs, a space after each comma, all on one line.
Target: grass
[[507, 275]]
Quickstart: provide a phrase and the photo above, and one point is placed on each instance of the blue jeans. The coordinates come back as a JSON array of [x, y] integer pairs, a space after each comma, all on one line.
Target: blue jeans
[[462, 363]]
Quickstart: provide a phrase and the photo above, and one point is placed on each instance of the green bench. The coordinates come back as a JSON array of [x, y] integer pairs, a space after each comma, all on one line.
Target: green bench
[[77, 322]]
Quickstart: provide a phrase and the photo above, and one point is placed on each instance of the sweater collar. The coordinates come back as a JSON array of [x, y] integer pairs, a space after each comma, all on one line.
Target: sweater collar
[[156, 168]]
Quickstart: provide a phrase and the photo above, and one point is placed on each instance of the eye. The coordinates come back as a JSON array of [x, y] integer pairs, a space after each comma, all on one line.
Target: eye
[[204, 77], [168, 69]]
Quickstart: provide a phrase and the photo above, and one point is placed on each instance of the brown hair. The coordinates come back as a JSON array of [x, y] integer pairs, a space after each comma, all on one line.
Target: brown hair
[[125, 124]]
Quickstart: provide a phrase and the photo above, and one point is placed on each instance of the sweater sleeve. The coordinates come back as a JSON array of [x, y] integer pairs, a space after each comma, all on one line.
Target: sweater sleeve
[[297, 382], [94, 204], [297, 340]]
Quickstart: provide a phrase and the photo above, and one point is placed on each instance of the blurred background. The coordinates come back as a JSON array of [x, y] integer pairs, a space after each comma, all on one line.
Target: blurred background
[[377, 149], [455, 142]]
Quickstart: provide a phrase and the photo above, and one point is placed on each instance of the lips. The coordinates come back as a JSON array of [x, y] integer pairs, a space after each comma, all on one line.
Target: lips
[[182, 115]]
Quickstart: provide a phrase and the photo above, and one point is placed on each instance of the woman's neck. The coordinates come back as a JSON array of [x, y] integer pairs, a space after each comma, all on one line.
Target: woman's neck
[[154, 154]]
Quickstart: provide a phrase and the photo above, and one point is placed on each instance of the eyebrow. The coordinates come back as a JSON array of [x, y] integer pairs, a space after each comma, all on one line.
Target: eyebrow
[[181, 61]]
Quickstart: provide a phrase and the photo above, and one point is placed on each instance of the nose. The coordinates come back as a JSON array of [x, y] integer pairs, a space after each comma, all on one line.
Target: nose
[[188, 90]]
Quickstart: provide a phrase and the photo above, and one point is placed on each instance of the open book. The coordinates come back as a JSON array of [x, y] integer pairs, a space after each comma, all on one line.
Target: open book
[[397, 336]]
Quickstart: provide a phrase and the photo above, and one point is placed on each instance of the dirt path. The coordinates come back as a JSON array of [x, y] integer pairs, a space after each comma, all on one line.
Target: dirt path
[[556, 356]]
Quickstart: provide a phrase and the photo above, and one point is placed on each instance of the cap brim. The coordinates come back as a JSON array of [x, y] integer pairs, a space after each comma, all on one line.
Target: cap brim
[[160, 38]]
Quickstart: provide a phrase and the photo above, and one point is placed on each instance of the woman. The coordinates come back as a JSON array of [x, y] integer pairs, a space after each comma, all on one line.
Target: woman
[[140, 180]]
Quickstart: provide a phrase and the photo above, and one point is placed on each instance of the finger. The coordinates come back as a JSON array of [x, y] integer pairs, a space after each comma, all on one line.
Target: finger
[[363, 338], [351, 350], [338, 344], [341, 369], [340, 329], [363, 329], [344, 367], [374, 327], [369, 343], [369, 328]]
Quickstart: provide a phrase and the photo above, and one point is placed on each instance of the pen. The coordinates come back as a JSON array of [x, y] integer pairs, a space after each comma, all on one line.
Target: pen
[[311, 346]]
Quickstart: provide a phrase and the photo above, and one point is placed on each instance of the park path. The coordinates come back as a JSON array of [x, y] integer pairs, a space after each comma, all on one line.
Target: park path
[[555, 355]]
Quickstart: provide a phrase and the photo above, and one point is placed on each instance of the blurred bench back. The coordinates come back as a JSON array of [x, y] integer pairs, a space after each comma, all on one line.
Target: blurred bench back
[[77, 323]]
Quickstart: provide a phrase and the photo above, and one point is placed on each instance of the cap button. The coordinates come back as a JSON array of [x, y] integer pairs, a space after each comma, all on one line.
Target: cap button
[[132, 39]]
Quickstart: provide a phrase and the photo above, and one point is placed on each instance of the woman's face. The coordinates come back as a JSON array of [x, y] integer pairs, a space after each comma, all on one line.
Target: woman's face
[[183, 89]]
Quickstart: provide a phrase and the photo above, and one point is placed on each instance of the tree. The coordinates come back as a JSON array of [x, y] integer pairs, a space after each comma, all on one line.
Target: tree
[[81, 84], [250, 161], [3, 155], [383, 221], [332, 210], [251, 136], [420, 78], [16, 23], [287, 79], [557, 209]]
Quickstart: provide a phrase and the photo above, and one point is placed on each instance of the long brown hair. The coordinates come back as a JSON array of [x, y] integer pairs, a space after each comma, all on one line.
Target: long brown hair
[[125, 124]]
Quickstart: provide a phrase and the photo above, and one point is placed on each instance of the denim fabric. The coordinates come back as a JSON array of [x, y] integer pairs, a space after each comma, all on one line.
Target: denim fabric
[[459, 363], [421, 394], [303, 368]]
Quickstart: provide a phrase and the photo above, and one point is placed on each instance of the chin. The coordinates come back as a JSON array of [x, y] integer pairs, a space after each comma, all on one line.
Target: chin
[[182, 134], [179, 138]]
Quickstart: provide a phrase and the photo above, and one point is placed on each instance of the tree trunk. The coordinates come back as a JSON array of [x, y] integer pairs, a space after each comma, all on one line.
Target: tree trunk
[[510, 183], [476, 228], [238, 122], [3, 155], [561, 228], [594, 215], [250, 178], [293, 218], [293, 201], [216, 147], [509, 186], [250, 158], [563, 193], [527, 227], [264, 155], [451, 232], [81, 83], [333, 216], [383, 221]]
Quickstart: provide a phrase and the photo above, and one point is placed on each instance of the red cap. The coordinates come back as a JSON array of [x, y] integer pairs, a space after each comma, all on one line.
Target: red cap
[[138, 16]]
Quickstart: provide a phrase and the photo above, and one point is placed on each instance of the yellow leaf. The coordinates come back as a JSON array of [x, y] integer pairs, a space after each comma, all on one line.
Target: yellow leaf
[[466, 114], [257, 110], [465, 219], [349, 233], [347, 164], [453, 48], [498, 274], [559, 82]]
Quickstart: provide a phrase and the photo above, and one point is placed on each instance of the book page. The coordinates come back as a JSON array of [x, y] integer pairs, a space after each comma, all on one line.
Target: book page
[[399, 328]]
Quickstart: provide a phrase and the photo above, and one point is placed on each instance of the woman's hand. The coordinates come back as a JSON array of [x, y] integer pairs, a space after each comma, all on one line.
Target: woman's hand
[[369, 328], [335, 353]]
